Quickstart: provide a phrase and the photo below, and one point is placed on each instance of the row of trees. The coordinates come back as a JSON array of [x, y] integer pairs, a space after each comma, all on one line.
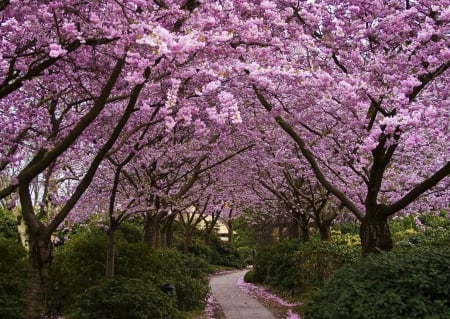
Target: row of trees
[[152, 107]]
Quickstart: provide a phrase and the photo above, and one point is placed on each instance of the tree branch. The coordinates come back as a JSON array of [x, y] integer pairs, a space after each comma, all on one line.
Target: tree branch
[[311, 159], [418, 190]]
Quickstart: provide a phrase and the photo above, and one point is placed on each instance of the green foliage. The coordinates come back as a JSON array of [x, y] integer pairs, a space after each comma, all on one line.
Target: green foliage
[[275, 265], [218, 253], [411, 284], [317, 260], [8, 225], [12, 279], [249, 276], [437, 227], [131, 231], [122, 297], [79, 265], [347, 228], [293, 264], [224, 254], [246, 255], [425, 229], [188, 273]]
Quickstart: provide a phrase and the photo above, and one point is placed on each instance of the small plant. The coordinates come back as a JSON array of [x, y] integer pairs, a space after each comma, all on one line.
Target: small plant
[[12, 279], [122, 297], [411, 284]]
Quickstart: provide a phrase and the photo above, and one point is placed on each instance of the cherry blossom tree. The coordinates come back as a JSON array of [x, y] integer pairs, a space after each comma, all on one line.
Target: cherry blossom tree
[[362, 89], [72, 76]]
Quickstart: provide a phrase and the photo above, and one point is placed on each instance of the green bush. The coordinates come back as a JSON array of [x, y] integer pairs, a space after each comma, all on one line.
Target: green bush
[[218, 253], [80, 265], [12, 279], [77, 265], [131, 231], [224, 254], [188, 273], [8, 225], [122, 297], [412, 283], [317, 260], [296, 265], [276, 264], [246, 254], [249, 276]]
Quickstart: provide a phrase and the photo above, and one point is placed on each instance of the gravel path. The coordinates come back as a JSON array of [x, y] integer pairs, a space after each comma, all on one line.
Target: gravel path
[[235, 303]]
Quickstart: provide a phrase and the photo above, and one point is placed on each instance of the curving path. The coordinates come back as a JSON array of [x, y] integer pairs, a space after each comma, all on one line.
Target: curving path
[[234, 302]]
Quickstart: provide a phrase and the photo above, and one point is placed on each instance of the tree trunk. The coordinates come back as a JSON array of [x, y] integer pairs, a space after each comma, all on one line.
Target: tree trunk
[[169, 233], [110, 245], [294, 229], [150, 230], [187, 244], [374, 233], [22, 229], [230, 232], [305, 233], [281, 235], [325, 232], [207, 237], [40, 257], [158, 236]]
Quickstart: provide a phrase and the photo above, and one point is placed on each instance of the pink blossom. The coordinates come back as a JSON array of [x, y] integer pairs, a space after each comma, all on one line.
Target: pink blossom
[[56, 50]]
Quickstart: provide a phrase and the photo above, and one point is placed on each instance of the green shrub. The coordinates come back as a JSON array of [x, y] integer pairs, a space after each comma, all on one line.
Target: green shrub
[[275, 265], [296, 265], [224, 254], [412, 283], [217, 253], [8, 225], [12, 279], [131, 231], [316, 260], [246, 254], [122, 297], [77, 265], [188, 273], [80, 265], [249, 276]]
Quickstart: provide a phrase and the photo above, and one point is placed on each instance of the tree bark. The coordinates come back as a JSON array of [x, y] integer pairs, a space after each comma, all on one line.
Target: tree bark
[[38, 268], [305, 233], [230, 232], [187, 243], [150, 229], [168, 232], [374, 232], [110, 252], [325, 232]]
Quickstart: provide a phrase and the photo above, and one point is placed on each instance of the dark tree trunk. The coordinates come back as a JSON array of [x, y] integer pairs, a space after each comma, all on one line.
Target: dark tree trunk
[[374, 232], [150, 230], [305, 233], [266, 237], [40, 257], [294, 229], [207, 237], [325, 232], [158, 236], [169, 238], [110, 254], [230, 232], [187, 243], [166, 233], [163, 237], [281, 235]]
